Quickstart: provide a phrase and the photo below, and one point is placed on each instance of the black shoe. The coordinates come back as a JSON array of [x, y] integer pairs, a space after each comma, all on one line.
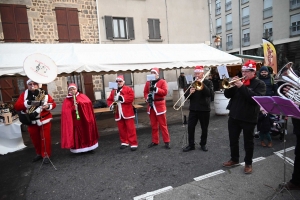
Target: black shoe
[[152, 144], [167, 145], [46, 161], [37, 158], [188, 148], [204, 148], [123, 146], [133, 148]]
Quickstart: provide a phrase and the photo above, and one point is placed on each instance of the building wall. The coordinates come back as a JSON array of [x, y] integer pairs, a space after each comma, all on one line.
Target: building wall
[[280, 22]]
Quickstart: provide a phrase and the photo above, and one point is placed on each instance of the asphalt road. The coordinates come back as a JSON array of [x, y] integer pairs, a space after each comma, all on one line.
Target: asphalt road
[[112, 173]]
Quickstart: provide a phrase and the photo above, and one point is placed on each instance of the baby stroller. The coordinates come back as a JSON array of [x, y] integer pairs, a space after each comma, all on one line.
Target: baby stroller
[[278, 127]]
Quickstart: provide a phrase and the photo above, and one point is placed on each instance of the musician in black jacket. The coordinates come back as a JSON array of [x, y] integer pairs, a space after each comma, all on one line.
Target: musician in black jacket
[[243, 114], [199, 110]]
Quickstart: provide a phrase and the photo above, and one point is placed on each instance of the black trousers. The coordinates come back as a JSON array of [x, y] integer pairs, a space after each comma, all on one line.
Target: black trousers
[[203, 118], [296, 173], [234, 128]]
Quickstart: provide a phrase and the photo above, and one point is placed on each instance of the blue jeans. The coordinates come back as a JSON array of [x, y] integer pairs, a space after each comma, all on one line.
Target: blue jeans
[[265, 135]]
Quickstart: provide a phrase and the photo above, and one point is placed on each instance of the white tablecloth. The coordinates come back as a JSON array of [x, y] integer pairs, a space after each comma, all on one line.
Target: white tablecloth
[[11, 137]]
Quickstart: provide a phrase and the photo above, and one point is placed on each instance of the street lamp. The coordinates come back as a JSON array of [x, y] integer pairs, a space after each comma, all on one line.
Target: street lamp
[[217, 41]]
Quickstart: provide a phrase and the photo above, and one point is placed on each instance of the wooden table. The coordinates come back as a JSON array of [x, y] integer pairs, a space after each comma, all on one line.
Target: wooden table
[[103, 110]]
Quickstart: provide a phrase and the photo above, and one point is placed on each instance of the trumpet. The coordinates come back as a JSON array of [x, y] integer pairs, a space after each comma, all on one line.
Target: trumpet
[[115, 103], [226, 84], [198, 85]]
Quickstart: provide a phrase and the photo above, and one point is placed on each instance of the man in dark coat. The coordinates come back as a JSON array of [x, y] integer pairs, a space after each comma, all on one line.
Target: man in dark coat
[[243, 114]]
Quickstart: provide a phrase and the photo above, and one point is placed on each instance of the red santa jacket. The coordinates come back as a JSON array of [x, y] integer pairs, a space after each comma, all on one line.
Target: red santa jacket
[[45, 116], [159, 104], [125, 108]]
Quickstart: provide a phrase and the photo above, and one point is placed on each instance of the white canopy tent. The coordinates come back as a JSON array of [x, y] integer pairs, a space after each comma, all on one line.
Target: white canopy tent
[[112, 58]]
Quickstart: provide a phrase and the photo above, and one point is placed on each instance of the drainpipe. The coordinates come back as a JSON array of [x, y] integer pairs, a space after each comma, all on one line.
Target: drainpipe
[[98, 21], [240, 31], [167, 21], [210, 22]]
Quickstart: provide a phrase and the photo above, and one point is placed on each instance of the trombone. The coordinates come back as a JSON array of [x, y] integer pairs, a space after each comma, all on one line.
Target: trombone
[[226, 84], [198, 85]]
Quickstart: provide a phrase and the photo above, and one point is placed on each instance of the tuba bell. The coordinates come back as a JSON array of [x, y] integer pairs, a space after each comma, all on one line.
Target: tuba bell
[[287, 75]]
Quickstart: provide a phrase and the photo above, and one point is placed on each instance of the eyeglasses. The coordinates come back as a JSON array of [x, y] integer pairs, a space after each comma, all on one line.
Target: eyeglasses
[[119, 81], [246, 71], [32, 84]]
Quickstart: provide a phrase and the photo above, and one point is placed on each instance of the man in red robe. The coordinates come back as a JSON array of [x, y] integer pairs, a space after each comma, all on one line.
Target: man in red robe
[[40, 128], [124, 113], [154, 93], [79, 131]]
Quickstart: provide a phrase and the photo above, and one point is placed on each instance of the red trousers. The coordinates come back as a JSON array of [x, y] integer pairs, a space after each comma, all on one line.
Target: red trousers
[[161, 121], [127, 132], [38, 140]]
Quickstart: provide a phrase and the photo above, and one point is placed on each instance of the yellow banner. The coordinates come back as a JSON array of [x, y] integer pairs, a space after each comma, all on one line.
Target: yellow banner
[[270, 55]]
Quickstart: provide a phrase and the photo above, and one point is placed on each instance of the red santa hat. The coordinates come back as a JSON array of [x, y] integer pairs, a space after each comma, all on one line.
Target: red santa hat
[[120, 78], [249, 65], [156, 70], [199, 69], [72, 85], [29, 81]]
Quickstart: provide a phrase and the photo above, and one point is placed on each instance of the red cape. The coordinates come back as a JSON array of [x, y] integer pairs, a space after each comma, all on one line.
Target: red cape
[[77, 134]]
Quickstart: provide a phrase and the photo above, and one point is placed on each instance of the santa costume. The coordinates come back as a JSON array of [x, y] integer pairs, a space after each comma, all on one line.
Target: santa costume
[[157, 111], [78, 135], [124, 115], [40, 127]]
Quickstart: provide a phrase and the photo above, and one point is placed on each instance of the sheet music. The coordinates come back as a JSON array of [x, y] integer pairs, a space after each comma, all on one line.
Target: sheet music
[[189, 79], [113, 85], [151, 77], [223, 72]]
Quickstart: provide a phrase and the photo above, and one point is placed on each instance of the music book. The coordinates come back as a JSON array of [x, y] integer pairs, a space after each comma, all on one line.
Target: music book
[[278, 105], [112, 85]]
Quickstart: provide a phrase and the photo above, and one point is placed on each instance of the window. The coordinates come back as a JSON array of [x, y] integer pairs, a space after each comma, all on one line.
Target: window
[[268, 30], [245, 16], [227, 5], [218, 26], [14, 23], [244, 1], [268, 9], [295, 25], [67, 24], [228, 22], [246, 37], [294, 4], [218, 7], [154, 29], [119, 28], [228, 42]]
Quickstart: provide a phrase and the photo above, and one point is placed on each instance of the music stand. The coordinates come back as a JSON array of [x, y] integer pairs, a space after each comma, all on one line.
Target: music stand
[[285, 107]]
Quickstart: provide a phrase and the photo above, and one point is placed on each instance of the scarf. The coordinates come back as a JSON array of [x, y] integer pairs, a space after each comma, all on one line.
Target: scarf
[[247, 82]]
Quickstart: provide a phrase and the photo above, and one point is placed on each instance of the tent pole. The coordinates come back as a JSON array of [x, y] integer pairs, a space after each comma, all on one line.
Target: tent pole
[[103, 86]]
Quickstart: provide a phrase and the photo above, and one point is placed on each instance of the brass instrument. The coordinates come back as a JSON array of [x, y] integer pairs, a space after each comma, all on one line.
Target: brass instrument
[[226, 84], [39, 97], [198, 85], [287, 75], [115, 103]]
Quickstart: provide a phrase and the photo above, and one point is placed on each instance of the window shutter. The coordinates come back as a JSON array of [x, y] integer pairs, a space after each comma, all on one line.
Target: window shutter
[[14, 23], [22, 23], [157, 29], [151, 28], [73, 25], [109, 27], [8, 23], [62, 24], [130, 28]]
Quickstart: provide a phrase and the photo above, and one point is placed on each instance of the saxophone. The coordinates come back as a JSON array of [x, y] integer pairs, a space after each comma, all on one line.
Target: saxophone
[[39, 97]]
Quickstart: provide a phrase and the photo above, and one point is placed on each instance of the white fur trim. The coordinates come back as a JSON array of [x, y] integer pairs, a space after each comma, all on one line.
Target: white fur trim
[[133, 146], [152, 70], [125, 144], [84, 149], [198, 70], [248, 67]]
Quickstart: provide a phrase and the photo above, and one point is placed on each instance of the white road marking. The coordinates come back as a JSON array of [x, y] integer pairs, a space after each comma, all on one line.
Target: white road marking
[[149, 195], [286, 150], [199, 178], [287, 159], [254, 160]]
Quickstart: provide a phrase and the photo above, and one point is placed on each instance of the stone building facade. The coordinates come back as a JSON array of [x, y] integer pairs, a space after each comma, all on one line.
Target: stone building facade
[[43, 29]]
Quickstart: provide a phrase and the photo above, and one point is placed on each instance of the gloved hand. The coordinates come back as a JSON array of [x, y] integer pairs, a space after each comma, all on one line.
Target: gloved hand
[[120, 98], [33, 115], [28, 102], [152, 88]]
